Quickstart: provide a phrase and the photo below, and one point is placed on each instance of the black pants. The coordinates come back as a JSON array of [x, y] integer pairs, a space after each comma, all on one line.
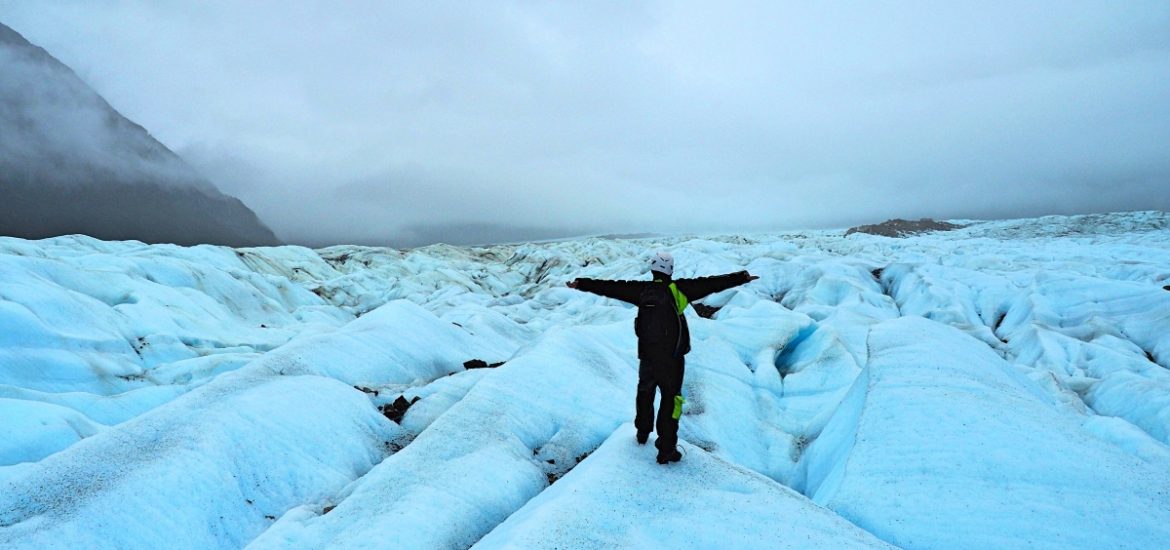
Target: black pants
[[665, 374]]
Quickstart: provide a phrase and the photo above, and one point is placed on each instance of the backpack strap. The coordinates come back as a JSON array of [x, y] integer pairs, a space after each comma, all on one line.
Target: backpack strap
[[680, 299]]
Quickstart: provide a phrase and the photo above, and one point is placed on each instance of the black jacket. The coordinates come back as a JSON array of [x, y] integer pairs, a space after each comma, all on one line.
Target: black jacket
[[693, 289]]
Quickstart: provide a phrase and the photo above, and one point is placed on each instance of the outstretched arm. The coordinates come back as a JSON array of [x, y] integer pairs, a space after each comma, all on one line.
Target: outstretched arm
[[626, 291], [701, 287]]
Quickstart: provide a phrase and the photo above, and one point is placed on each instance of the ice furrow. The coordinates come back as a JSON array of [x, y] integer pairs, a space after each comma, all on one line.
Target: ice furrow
[[474, 465]]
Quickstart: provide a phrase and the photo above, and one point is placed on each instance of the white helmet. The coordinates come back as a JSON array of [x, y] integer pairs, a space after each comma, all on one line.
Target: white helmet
[[662, 262]]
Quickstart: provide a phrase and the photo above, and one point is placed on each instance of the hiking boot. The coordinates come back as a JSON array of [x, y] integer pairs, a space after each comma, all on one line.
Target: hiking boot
[[643, 437], [671, 456]]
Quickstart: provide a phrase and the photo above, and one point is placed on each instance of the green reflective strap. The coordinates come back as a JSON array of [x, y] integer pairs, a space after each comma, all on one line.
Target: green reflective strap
[[678, 403], [680, 299]]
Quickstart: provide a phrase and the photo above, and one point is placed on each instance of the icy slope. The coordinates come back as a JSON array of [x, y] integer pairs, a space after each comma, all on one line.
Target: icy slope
[[202, 472], [621, 498], [957, 449], [1004, 384]]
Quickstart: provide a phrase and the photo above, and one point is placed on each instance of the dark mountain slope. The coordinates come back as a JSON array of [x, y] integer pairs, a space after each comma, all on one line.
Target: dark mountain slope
[[70, 163]]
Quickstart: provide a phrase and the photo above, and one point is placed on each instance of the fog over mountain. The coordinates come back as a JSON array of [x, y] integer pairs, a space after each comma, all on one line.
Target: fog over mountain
[[70, 163], [407, 123]]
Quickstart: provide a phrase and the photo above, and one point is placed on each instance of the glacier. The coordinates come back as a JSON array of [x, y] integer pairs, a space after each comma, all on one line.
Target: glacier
[[1002, 384]]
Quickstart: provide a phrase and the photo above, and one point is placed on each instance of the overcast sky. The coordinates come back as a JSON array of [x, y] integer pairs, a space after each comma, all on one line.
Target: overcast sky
[[381, 122]]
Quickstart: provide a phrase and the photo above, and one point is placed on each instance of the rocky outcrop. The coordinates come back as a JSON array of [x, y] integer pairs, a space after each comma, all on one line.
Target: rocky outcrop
[[903, 228]]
